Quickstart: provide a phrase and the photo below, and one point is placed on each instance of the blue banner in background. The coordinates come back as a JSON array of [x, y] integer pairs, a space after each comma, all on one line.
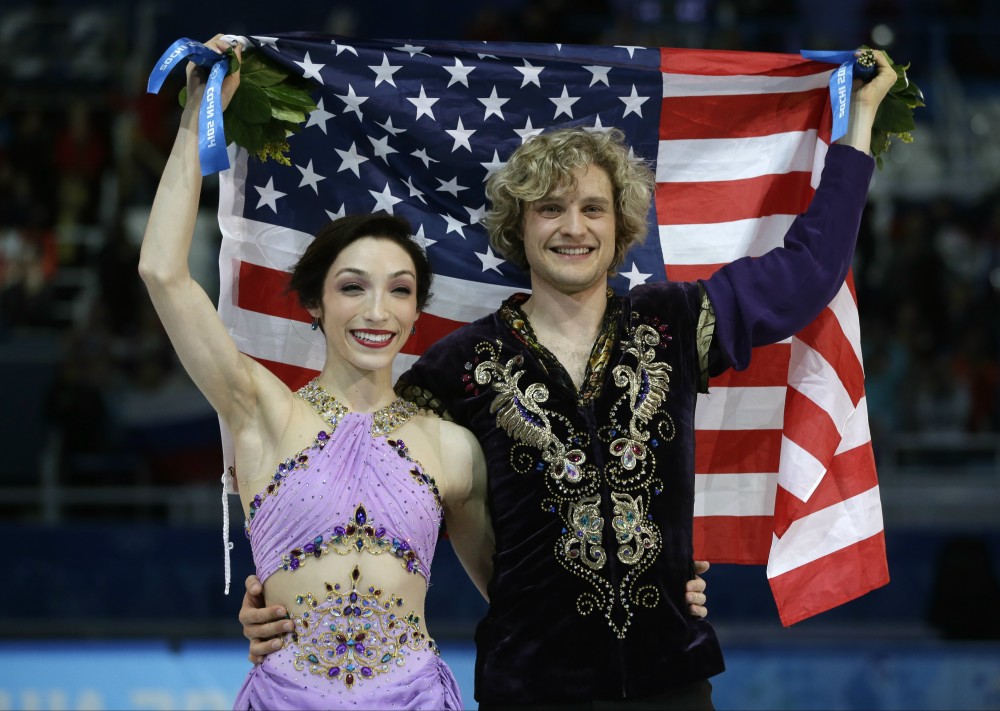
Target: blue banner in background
[[855, 674]]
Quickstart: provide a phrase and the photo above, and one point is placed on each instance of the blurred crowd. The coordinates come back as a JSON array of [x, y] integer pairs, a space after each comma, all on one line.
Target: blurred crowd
[[929, 297], [82, 146]]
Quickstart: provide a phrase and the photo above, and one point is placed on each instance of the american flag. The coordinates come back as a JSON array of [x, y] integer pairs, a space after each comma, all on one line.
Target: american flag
[[785, 472]]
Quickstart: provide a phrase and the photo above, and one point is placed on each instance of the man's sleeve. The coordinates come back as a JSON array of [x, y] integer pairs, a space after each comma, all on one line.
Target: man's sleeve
[[763, 300], [424, 384]]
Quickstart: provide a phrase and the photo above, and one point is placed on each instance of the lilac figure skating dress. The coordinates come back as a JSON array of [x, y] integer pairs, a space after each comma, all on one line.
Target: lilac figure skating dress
[[354, 645]]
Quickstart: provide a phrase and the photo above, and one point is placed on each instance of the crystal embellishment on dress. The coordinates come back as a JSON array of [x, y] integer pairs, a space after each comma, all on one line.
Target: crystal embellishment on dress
[[293, 463], [384, 420], [357, 535], [353, 636]]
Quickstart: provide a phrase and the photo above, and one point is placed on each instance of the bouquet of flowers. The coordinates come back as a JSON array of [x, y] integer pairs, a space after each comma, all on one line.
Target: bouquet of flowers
[[269, 105], [894, 118]]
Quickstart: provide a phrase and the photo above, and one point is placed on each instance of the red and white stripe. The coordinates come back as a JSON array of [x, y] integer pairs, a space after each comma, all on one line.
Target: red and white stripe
[[784, 467]]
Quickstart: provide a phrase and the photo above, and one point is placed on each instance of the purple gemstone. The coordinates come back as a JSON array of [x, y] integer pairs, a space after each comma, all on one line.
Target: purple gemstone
[[354, 597], [361, 515], [294, 564], [334, 671], [379, 532], [341, 649], [403, 545], [348, 610], [256, 501], [366, 671], [357, 611], [409, 565], [308, 547], [339, 530], [359, 648], [323, 437], [402, 639]]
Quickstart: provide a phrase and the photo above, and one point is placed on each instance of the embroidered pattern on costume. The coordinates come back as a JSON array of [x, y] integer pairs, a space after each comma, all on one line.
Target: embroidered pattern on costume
[[634, 534], [384, 420], [629, 469], [585, 542], [638, 424], [521, 416], [354, 537], [357, 635], [604, 347], [646, 386], [417, 472], [297, 462]]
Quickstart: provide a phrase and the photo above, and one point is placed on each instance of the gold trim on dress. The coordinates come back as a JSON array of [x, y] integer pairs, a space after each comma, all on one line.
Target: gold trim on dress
[[332, 411]]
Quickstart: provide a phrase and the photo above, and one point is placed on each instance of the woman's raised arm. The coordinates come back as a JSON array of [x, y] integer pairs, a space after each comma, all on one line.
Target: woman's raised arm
[[226, 377]]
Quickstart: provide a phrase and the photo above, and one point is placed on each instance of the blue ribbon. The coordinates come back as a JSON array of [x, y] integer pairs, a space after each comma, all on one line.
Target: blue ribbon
[[840, 84], [211, 132]]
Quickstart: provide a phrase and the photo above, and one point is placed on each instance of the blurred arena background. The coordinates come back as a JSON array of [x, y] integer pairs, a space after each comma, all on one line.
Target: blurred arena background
[[109, 494]]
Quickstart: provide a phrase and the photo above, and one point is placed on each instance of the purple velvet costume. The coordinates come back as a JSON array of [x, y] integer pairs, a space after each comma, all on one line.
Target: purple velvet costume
[[591, 489], [355, 489]]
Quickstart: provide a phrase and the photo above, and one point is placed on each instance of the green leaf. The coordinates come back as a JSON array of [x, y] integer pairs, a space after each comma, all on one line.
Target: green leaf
[[247, 135], [290, 96], [285, 114], [257, 70], [269, 105], [251, 103], [902, 83], [291, 128], [911, 96], [234, 61], [272, 131], [894, 116]]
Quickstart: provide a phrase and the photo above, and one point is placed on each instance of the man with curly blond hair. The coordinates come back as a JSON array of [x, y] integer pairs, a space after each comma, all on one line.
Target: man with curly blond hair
[[583, 402], [547, 164]]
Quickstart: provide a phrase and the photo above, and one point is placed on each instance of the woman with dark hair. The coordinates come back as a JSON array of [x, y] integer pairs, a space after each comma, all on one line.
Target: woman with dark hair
[[344, 486]]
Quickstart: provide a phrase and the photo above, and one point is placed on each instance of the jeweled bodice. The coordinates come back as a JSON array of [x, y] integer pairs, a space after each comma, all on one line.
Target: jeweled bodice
[[355, 489]]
